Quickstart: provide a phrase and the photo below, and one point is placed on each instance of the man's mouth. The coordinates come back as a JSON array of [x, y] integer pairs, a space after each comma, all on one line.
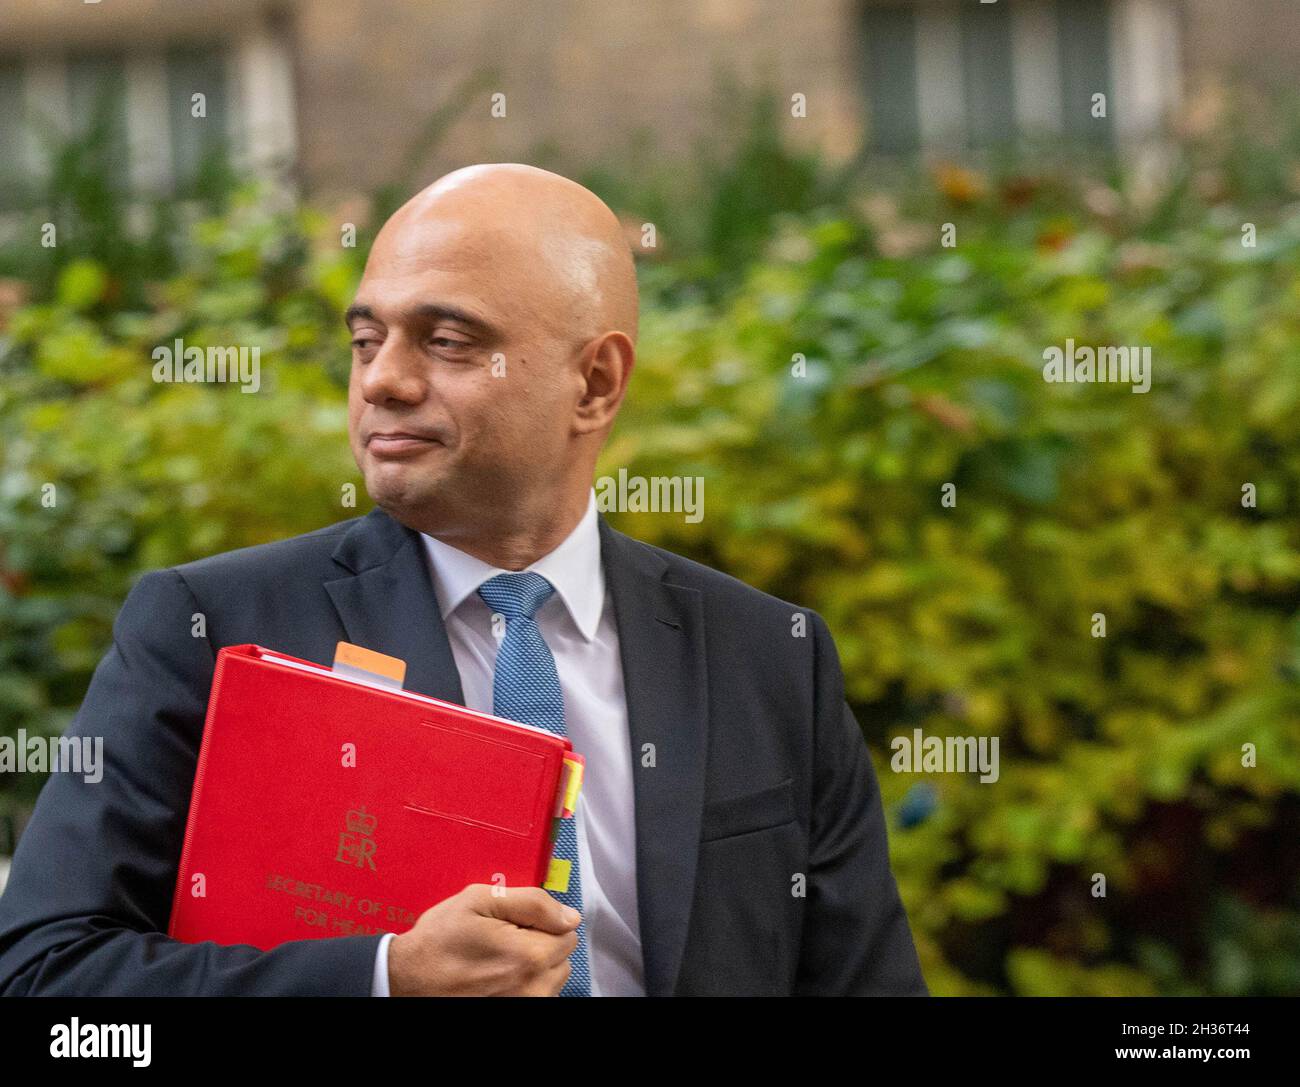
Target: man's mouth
[[398, 443]]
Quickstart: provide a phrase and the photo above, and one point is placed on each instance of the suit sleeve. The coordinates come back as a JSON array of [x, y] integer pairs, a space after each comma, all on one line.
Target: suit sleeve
[[856, 940], [88, 901]]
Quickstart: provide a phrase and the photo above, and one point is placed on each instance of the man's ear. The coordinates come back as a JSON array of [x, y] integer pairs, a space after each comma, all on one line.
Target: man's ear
[[604, 369]]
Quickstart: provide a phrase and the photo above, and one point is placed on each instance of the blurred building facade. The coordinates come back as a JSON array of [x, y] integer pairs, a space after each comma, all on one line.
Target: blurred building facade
[[336, 91]]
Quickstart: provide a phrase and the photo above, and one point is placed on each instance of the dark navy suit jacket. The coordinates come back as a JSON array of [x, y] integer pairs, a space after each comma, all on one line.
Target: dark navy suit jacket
[[760, 788]]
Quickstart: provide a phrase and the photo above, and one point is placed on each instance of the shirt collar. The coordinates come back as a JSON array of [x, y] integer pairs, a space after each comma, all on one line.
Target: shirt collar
[[574, 569]]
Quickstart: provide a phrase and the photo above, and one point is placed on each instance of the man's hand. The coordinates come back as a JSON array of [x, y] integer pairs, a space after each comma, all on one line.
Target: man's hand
[[514, 942]]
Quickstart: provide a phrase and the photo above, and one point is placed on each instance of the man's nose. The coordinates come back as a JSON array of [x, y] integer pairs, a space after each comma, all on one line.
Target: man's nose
[[395, 373]]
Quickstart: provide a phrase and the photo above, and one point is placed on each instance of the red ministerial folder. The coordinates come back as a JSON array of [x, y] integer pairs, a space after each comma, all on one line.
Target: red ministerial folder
[[325, 806]]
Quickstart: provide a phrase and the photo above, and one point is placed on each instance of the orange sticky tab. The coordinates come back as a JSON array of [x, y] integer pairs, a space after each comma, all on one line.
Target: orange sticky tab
[[367, 660]]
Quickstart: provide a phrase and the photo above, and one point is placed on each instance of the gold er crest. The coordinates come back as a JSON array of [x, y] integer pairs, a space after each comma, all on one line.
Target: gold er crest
[[356, 842]]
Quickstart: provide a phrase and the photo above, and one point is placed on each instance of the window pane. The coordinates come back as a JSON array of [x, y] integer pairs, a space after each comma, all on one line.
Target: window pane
[[986, 52], [11, 131], [1085, 67], [196, 140], [890, 34], [97, 104]]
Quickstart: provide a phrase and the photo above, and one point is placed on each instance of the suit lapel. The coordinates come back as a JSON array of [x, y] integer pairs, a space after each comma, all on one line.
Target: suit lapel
[[661, 641], [386, 602]]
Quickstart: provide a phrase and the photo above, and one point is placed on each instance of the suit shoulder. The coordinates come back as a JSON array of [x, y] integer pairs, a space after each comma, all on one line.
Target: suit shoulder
[[722, 589], [274, 560]]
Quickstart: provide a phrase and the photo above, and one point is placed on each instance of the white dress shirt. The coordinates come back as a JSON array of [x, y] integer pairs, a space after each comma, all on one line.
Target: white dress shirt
[[578, 625]]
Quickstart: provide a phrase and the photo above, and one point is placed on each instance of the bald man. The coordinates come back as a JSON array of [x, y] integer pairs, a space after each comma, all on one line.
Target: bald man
[[730, 838]]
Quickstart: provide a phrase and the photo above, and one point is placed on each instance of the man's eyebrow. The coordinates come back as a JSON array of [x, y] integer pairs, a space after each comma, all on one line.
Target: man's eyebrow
[[431, 311], [434, 311], [353, 312]]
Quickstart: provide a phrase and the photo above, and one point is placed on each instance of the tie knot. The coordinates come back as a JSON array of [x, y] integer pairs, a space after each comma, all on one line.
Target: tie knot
[[516, 595]]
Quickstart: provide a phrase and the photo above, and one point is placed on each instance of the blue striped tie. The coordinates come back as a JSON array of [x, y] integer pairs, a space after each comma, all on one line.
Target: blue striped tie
[[526, 687]]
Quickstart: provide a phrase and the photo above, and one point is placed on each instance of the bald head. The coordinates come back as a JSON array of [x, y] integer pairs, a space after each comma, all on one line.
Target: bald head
[[493, 333], [559, 243]]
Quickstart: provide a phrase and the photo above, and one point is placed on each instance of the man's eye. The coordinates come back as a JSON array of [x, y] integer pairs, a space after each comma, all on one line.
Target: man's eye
[[362, 342], [447, 342]]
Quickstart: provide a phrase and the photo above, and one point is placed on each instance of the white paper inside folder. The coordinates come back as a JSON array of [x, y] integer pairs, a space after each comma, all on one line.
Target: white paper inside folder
[[355, 664], [391, 682]]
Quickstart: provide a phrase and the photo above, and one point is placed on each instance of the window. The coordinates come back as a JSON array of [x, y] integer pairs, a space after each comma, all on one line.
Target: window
[[993, 71], [129, 116]]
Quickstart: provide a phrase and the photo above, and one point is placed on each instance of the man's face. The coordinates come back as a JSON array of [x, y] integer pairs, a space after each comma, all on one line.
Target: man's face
[[463, 378]]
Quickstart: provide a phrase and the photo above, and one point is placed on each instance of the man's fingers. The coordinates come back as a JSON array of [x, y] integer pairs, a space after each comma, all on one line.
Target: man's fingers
[[550, 981], [557, 949], [529, 907], [557, 976], [542, 951]]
